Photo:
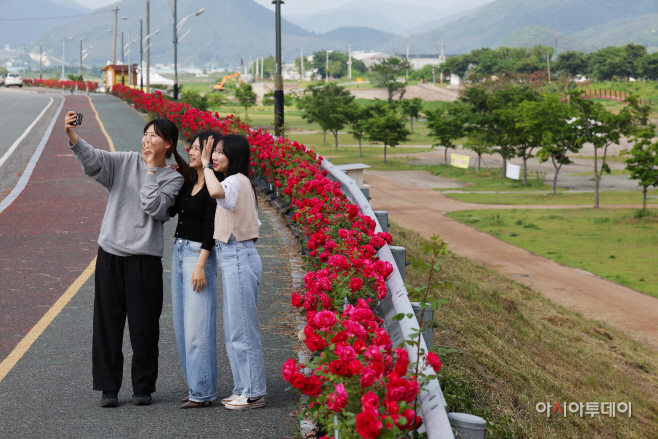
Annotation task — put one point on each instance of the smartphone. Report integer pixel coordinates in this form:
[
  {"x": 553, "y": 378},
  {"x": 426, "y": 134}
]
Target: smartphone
[{"x": 78, "y": 119}]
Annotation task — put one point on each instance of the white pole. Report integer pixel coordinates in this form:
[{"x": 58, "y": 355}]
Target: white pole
[
  {"x": 63, "y": 54},
  {"x": 349, "y": 64},
  {"x": 262, "y": 69},
  {"x": 301, "y": 79}
]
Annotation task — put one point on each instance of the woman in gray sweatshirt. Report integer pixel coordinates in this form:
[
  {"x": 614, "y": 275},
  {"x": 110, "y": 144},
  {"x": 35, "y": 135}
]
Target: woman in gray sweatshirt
[{"x": 141, "y": 189}]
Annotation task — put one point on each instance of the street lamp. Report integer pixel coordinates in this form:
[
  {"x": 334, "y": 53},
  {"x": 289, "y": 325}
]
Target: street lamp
[
  {"x": 148, "y": 64},
  {"x": 81, "y": 56},
  {"x": 278, "y": 80},
  {"x": 326, "y": 76},
  {"x": 177, "y": 26},
  {"x": 141, "y": 50},
  {"x": 130, "y": 48}
]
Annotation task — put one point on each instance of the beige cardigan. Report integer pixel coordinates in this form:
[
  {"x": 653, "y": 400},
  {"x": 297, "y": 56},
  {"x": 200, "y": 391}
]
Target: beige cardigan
[{"x": 242, "y": 222}]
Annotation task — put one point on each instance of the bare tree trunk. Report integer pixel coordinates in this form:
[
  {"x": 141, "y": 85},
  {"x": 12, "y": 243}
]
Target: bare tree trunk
[
  {"x": 445, "y": 157},
  {"x": 336, "y": 139},
  {"x": 644, "y": 198},
  {"x": 479, "y": 158},
  {"x": 384, "y": 153},
  {"x": 411, "y": 121},
  {"x": 360, "y": 145},
  {"x": 525, "y": 169},
  {"x": 504, "y": 165}
]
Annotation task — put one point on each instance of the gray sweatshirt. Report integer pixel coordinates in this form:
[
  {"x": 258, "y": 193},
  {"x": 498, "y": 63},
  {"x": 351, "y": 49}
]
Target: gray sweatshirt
[{"x": 138, "y": 205}]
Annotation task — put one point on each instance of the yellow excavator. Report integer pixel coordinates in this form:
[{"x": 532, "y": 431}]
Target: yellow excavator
[{"x": 220, "y": 86}]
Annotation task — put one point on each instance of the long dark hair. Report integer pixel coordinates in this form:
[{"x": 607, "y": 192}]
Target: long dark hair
[
  {"x": 237, "y": 151},
  {"x": 189, "y": 174},
  {"x": 167, "y": 130}
]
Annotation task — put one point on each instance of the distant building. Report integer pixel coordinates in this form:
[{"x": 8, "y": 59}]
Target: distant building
[
  {"x": 369, "y": 58},
  {"x": 290, "y": 72},
  {"x": 115, "y": 72}
]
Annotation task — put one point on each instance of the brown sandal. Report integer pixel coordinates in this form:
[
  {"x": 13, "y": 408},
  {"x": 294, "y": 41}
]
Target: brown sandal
[{"x": 195, "y": 405}]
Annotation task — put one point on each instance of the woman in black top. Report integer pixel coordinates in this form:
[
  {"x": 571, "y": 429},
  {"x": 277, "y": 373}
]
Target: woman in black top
[{"x": 194, "y": 279}]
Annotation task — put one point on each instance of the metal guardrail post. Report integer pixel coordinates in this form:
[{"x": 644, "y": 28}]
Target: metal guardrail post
[
  {"x": 366, "y": 192},
  {"x": 432, "y": 402},
  {"x": 382, "y": 219}
]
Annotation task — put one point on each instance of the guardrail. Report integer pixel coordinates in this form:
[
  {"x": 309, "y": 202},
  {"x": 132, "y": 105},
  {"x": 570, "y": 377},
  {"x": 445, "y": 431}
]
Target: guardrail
[
  {"x": 612, "y": 95},
  {"x": 432, "y": 402}
]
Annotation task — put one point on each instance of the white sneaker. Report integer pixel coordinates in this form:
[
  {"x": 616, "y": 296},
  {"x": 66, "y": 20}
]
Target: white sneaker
[
  {"x": 243, "y": 403},
  {"x": 229, "y": 399}
]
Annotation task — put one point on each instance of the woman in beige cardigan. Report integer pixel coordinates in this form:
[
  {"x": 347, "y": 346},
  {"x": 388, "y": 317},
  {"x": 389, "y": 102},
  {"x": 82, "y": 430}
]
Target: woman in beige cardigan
[{"x": 236, "y": 232}]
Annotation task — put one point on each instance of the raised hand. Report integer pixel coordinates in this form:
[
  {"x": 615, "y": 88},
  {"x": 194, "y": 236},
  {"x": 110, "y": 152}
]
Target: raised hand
[
  {"x": 148, "y": 154},
  {"x": 206, "y": 154},
  {"x": 69, "y": 119}
]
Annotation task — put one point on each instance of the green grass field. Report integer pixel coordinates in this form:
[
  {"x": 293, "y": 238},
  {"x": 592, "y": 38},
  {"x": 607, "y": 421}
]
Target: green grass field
[
  {"x": 612, "y": 197},
  {"x": 516, "y": 348},
  {"x": 610, "y": 243}
]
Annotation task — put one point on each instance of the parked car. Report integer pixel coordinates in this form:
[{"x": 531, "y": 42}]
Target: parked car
[{"x": 13, "y": 79}]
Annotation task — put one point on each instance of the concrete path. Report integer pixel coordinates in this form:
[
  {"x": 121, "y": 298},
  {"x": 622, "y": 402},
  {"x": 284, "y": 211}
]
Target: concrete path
[
  {"x": 424, "y": 211},
  {"x": 48, "y": 239}
]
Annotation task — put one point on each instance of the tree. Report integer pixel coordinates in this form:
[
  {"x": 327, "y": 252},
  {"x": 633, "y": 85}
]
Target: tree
[
  {"x": 643, "y": 160},
  {"x": 246, "y": 96},
  {"x": 561, "y": 133},
  {"x": 477, "y": 142},
  {"x": 358, "y": 116},
  {"x": 648, "y": 66},
  {"x": 269, "y": 66},
  {"x": 385, "y": 125},
  {"x": 215, "y": 100},
  {"x": 328, "y": 105},
  {"x": 194, "y": 99},
  {"x": 447, "y": 124},
  {"x": 457, "y": 65},
  {"x": 601, "y": 128},
  {"x": 411, "y": 108},
  {"x": 387, "y": 72},
  {"x": 571, "y": 63}
]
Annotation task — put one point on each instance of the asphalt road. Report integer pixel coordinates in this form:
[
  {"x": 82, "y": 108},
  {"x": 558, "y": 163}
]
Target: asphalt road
[{"x": 18, "y": 109}]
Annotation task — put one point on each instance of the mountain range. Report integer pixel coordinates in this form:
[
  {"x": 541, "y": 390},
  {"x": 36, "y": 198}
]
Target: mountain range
[{"x": 231, "y": 30}]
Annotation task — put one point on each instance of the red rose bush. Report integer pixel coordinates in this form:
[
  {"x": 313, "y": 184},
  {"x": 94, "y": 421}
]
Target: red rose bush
[{"x": 54, "y": 83}]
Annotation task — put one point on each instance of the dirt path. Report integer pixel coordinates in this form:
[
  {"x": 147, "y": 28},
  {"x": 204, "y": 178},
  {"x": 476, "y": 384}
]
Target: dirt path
[{"x": 423, "y": 210}]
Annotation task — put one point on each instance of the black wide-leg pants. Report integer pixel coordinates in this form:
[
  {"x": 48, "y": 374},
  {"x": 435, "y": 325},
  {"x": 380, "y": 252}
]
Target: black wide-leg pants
[{"x": 126, "y": 286}]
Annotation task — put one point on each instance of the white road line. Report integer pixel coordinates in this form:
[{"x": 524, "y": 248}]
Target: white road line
[
  {"x": 27, "y": 173},
  {"x": 25, "y": 133}
]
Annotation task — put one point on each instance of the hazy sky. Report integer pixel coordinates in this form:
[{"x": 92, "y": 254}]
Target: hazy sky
[{"x": 290, "y": 6}]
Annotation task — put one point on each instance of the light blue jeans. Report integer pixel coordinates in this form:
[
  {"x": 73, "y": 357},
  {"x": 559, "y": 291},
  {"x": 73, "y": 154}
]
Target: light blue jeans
[
  {"x": 241, "y": 269},
  {"x": 195, "y": 320}
]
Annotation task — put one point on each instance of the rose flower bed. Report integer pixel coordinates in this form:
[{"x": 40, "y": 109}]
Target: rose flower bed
[
  {"x": 54, "y": 83},
  {"x": 358, "y": 383}
]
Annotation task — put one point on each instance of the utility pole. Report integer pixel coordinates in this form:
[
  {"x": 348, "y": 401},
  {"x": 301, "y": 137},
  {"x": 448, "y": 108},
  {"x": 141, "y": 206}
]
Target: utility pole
[
  {"x": 24, "y": 59},
  {"x": 63, "y": 54},
  {"x": 349, "y": 66},
  {"x": 262, "y": 69},
  {"x": 40, "y": 59},
  {"x": 406, "y": 75},
  {"x": 80, "y": 72},
  {"x": 548, "y": 63},
  {"x": 148, "y": 50},
  {"x": 114, "y": 46},
  {"x": 175, "y": 51},
  {"x": 130, "y": 54},
  {"x": 326, "y": 73},
  {"x": 433, "y": 76},
  {"x": 303, "y": 73},
  {"x": 278, "y": 80},
  {"x": 123, "y": 71}
]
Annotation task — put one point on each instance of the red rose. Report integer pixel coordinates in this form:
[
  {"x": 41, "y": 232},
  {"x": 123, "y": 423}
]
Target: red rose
[
  {"x": 297, "y": 380},
  {"x": 312, "y": 386},
  {"x": 325, "y": 320},
  {"x": 359, "y": 346},
  {"x": 433, "y": 360},
  {"x": 338, "y": 367},
  {"x": 355, "y": 284},
  {"x": 355, "y": 366},
  {"x": 315, "y": 343},
  {"x": 368, "y": 424},
  {"x": 288, "y": 369},
  {"x": 297, "y": 300},
  {"x": 370, "y": 401},
  {"x": 368, "y": 378}
]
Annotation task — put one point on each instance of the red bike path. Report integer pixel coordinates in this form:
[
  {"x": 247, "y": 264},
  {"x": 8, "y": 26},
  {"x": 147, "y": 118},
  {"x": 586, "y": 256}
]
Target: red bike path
[{"x": 48, "y": 235}]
